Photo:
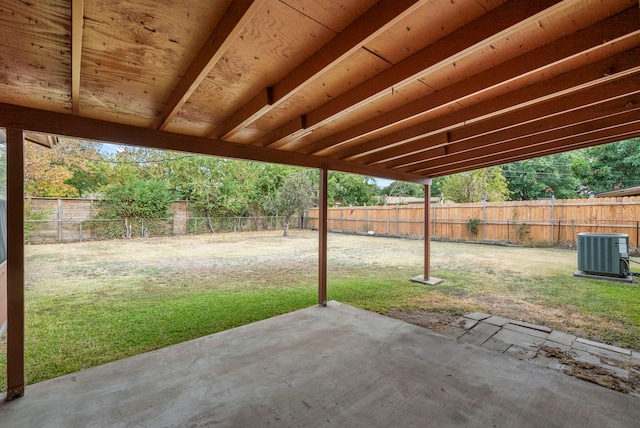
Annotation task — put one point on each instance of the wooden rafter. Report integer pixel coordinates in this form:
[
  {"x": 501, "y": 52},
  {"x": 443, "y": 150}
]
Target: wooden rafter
[
  {"x": 601, "y": 127},
  {"x": 540, "y": 61},
  {"x": 459, "y": 141},
  {"x": 77, "y": 21},
  {"x": 577, "y": 80},
  {"x": 376, "y": 20},
  {"x": 568, "y": 144},
  {"x": 473, "y": 36},
  {"x": 227, "y": 30}
]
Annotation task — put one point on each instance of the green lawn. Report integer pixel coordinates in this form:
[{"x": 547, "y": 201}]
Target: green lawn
[{"x": 91, "y": 303}]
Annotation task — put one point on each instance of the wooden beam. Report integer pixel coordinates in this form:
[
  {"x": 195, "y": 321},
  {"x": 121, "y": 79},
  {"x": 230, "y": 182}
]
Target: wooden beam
[
  {"x": 93, "y": 129},
  {"x": 15, "y": 263},
  {"x": 322, "y": 237},
  {"x": 547, "y": 57},
  {"x": 371, "y": 24},
  {"x": 609, "y": 129},
  {"x": 77, "y": 24},
  {"x": 581, "y": 144},
  {"x": 473, "y": 36},
  {"x": 509, "y": 127},
  {"x": 228, "y": 29},
  {"x": 602, "y": 72}
]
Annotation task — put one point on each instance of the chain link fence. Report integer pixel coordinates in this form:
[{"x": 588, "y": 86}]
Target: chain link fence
[{"x": 75, "y": 230}]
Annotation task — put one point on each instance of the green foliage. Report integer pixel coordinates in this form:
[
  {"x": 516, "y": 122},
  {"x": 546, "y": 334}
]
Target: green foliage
[
  {"x": 402, "y": 188},
  {"x": 32, "y": 218},
  {"x": 474, "y": 186},
  {"x": 609, "y": 167},
  {"x": 296, "y": 195},
  {"x": 150, "y": 199},
  {"x": 542, "y": 177},
  {"x": 473, "y": 225},
  {"x": 349, "y": 189}
]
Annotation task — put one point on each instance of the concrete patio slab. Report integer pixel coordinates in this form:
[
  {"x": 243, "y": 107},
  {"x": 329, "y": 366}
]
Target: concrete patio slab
[{"x": 332, "y": 366}]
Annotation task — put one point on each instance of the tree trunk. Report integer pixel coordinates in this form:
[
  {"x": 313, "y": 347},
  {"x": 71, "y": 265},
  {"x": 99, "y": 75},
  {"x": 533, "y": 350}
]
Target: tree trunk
[{"x": 286, "y": 228}]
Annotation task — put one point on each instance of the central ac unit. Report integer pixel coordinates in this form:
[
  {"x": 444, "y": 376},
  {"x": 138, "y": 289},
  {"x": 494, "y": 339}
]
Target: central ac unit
[{"x": 603, "y": 254}]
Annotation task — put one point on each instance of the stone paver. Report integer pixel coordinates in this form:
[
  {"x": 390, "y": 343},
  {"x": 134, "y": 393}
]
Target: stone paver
[
  {"x": 479, "y": 334},
  {"x": 523, "y": 341},
  {"x": 560, "y": 337},
  {"x": 499, "y": 321},
  {"x": 604, "y": 346},
  {"x": 496, "y": 345},
  {"x": 526, "y": 330},
  {"x": 518, "y": 338},
  {"x": 477, "y": 316},
  {"x": 531, "y": 326},
  {"x": 560, "y": 346},
  {"x": 596, "y": 350},
  {"x": 465, "y": 323}
]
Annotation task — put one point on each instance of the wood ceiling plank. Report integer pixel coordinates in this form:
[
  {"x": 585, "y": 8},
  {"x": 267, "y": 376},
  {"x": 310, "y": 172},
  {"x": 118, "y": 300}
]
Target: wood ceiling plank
[
  {"x": 580, "y": 79},
  {"x": 278, "y": 39},
  {"x": 511, "y": 74},
  {"x": 372, "y": 23},
  {"x": 35, "y": 53},
  {"x": 228, "y": 29},
  {"x": 135, "y": 52},
  {"x": 458, "y": 43},
  {"x": 98, "y": 130},
  {"x": 77, "y": 24},
  {"x": 334, "y": 15}
]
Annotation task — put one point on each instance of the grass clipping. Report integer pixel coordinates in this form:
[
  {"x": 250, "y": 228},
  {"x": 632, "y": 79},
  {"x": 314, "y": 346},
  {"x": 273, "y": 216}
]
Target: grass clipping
[{"x": 587, "y": 371}]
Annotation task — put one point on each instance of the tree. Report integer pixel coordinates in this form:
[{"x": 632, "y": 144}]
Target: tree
[
  {"x": 295, "y": 195},
  {"x": 609, "y": 167},
  {"x": 138, "y": 199},
  {"x": 350, "y": 189},
  {"x": 542, "y": 177},
  {"x": 217, "y": 187},
  {"x": 45, "y": 173},
  {"x": 402, "y": 188},
  {"x": 473, "y": 186}
]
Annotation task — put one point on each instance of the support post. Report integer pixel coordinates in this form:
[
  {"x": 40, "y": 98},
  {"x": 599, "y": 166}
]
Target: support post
[
  {"x": 15, "y": 264},
  {"x": 427, "y": 231},
  {"x": 426, "y": 278},
  {"x": 322, "y": 245}
]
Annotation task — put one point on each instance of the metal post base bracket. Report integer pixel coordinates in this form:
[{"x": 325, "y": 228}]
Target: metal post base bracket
[{"x": 428, "y": 281}]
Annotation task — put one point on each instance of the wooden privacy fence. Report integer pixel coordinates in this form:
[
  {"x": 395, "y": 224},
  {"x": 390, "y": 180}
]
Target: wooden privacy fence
[{"x": 545, "y": 222}]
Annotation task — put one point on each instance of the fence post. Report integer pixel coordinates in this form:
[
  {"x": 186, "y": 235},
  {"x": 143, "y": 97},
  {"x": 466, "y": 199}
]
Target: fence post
[
  {"x": 433, "y": 232},
  {"x": 573, "y": 233},
  {"x": 397, "y": 221},
  {"x": 59, "y": 220},
  {"x": 484, "y": 217},
  {"x": 553, "y": 206},
  {"x": 80, "y": 230},
  {"x": 142, "y": 228}
]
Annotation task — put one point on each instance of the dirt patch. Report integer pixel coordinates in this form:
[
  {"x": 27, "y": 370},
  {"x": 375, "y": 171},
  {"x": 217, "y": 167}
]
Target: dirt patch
[
  {"x": 589, "y": 372},
  {"x": 431, "y": 320}
]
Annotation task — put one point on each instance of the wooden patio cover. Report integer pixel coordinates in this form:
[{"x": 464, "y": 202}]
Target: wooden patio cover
[{"x": 400, "y": 89}]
